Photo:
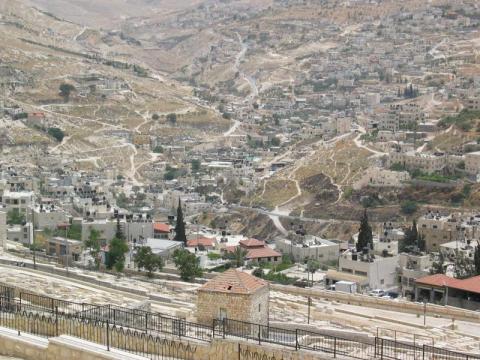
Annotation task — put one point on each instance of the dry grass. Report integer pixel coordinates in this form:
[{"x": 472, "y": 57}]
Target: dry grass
[{"x": 276, "y": 192}]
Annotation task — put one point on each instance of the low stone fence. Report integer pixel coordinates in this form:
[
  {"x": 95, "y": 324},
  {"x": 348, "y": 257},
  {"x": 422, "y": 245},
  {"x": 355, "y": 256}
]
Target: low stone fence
[
  {"x": 448, "y": 312},
  {"x": 63, "y": 347}
]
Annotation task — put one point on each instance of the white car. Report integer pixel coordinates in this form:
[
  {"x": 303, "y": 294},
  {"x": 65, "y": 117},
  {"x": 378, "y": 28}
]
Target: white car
[{"x": 377, "y": 293}]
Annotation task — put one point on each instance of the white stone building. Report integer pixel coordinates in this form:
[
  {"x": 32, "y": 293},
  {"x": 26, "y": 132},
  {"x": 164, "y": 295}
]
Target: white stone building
[{"x": 310, "y": 247}]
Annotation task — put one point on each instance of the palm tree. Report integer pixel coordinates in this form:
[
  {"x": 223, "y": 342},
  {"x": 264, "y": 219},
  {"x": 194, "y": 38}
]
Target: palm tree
[{"x": 238, "y": 256}]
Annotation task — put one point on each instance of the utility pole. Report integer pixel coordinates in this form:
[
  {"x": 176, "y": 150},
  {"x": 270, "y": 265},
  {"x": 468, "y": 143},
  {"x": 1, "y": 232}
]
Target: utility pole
[
  {"x": 66, "y": 247},
  {"x": 424, "y": 313},
  {"x": 309, "y": 305}
]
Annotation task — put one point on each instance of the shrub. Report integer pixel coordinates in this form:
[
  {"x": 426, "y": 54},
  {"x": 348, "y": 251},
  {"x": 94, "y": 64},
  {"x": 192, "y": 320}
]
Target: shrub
[{"x": 409, "y": 207}]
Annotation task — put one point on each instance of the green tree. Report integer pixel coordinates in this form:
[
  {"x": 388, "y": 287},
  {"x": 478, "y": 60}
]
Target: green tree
[
  {"x": 15, "y": 217},
  {"x": 275, "y": 141},
  {"x": 119, "y": 232},
  {"x": 438, "y": 265},
  {"x": 410, "y": 238},
  {"x": 195, "y": 163},
  {"x": 312, "y": 266},
  {"x": 365, "y": 236},
  {"x": 180, "y": 234},
  {"x": 116, "y": 254},
  {"x": 66, "y": 90},
  {"x": 146, "y": 259},
  {"x": 172, "y": 118},
  {"x": 56, "y": 133},
  {"x": 93, "y": 245},
  {"x": 409, "y": 207},
  {"x": 258, "y": 272},
  {"x": 188, "y": 265},
  {"x": 158, "y": 149},
  {"x": 237, "y": 257},
  {"x": 464, "y": 267},
  {"x": 122, "y": 200}
]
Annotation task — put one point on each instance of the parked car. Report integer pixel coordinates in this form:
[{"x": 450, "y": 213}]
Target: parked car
[{"x": 377, "y": 293}]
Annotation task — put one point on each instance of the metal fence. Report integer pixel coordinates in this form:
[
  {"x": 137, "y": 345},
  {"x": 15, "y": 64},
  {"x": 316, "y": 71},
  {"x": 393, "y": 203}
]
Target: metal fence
[
  {"x": 34, "y": 320},
  {"x": 138, "y": 329},
  {"x": 366, "y": 349}
]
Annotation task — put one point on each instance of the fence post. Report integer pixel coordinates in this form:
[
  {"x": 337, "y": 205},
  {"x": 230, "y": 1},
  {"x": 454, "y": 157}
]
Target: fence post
[
  {"x": 20, "y": 300},
  {"x": 213, "y": 329},
  {"x": 296, "y": 339},
  {"x": 146, "y": 322},
  {"x": 334, "y": 347},
  {"x": 56, "y": 320},
  {"x": 53, "y": 306},
  {"x": 375, "y": 349},
  {"x": 259, "y": 340},
  {"x": 423, "y": 352},
  {"x": 239, "y": 351},
  {"x": 224, "y": 321},
  {"x": 381, "y": 348},
  {"x": 108, "y": 336}
]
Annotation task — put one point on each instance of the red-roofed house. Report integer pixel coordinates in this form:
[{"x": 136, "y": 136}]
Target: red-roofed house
[
  {"x": 233, "y": 295},
  {"x": 258, "y": 251},
  {"x": 207, "y": 243},
  {"x": 442, "y": 289},
  {"x": 161, "y": 231},
  {"x": 251, "y": 244}
]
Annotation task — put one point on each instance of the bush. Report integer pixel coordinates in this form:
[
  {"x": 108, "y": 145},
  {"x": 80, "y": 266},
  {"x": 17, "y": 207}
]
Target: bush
[
  {"x": 172, "y": 118},
  {"x": 214, "y": 256},
  {"x": 397, "y": 167},
  {"x": 66, "y": 90},
  {"x": 409, "y": 207},
  {"x": 56, "y": 133},
  {"x": 14, "y": 217},
  {"x": 258, "y": 272},
  {"x": 457, "y": 198}
]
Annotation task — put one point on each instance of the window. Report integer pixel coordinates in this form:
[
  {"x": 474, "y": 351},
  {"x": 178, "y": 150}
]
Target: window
[{"x": 382, "y": 281}]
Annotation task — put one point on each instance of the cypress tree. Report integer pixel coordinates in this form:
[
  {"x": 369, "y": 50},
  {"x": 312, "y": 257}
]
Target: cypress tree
[
  {"x": 119, "y": 233},
  {"x": 180, "y": 225},
  {"x": 365, "y": 236},
  {"x": 410, "y": 238}
]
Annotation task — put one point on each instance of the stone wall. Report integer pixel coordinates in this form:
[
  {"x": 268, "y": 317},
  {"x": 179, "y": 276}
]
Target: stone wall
[
  {"x": 448, "y": 312},
  {"x": 259, "y": 307},
  {"x": 209, "y": 303},
  {"x": 65, "y": 347},
  {"x": 244, "y": 307}
]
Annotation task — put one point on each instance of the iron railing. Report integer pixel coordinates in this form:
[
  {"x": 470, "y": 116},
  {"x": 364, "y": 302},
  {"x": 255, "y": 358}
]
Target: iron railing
[
  {"x": 366, "y": 349},
  {"x": 96, "y": 331},
  {"x": 133, "y": 329}
]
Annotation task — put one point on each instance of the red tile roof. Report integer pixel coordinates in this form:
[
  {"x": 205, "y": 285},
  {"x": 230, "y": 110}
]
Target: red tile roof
[
  {"x": 252, "y": 243},
  {"x": 440, "y": 280},
  {"x": 234, "y": 282},
  {"x": 230, "y": 248},
  {"x": 160, "y": 227},
  {"x": 264, "y": 252},
  {"x": 204, "y": 241}
]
